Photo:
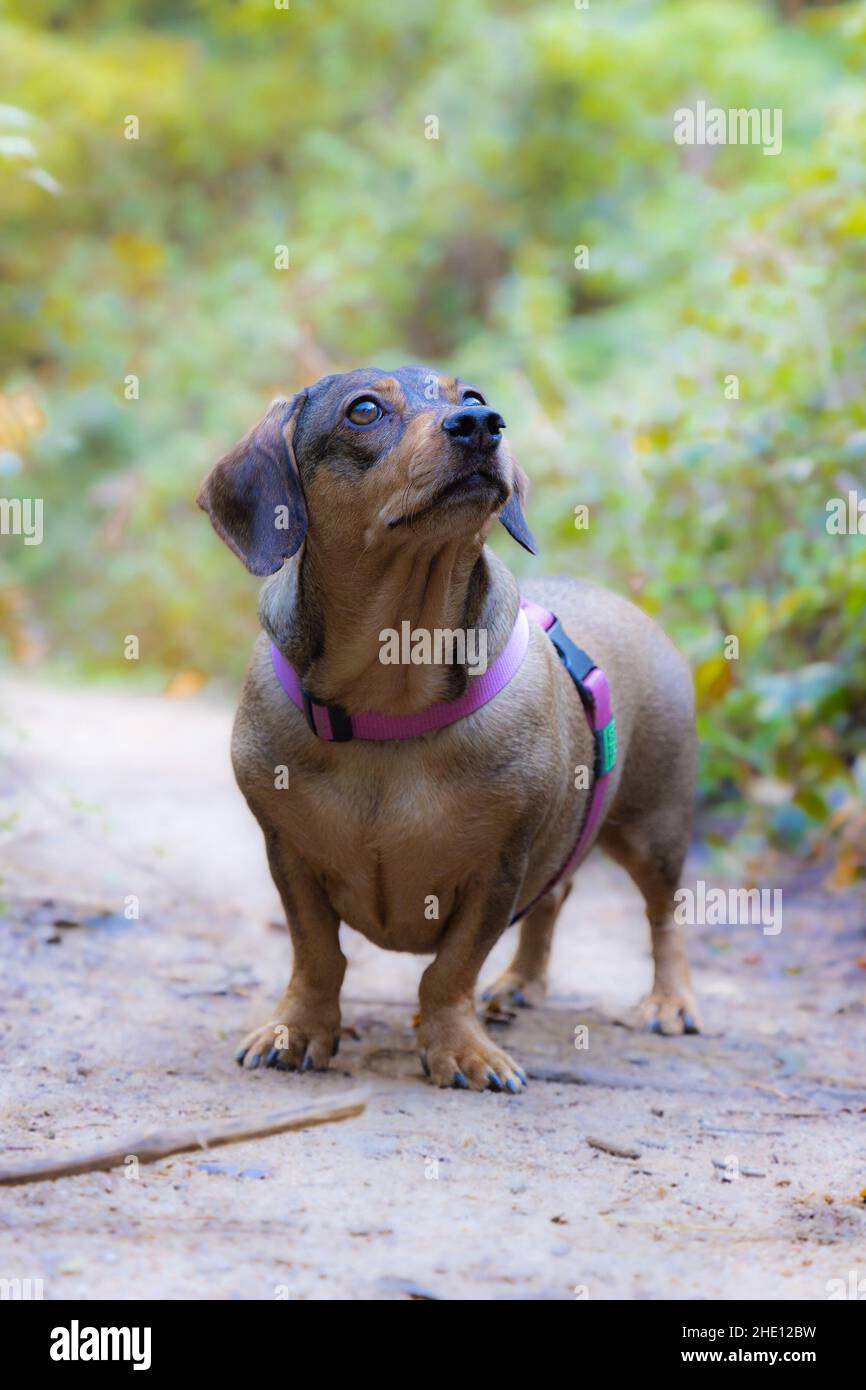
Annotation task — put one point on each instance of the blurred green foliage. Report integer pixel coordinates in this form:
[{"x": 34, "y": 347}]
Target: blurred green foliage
[{"x": 306, "y": 127}]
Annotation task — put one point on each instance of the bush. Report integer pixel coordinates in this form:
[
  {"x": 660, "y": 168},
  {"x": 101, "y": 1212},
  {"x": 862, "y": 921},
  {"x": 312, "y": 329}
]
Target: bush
[{"x": 698, "y": 386}]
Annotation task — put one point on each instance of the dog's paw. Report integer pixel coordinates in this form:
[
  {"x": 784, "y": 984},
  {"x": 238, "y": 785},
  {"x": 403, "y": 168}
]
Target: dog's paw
[
  {"x": 294, "y": 1042},
  {"x": 512, "y": 992},
  {"x": 455, "y": 1051},
  {"x": 670, "y": 1014}
]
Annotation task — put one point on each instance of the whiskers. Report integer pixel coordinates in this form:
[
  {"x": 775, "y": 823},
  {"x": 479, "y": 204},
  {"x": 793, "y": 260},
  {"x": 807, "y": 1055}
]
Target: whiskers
[{"x": 407, "y": 511}]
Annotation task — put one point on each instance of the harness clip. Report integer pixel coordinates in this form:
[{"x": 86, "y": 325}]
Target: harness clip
[{"x": 339, "y": 720}]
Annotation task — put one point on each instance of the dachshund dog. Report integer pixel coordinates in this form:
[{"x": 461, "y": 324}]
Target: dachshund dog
[{"x": 400, "y": 796}]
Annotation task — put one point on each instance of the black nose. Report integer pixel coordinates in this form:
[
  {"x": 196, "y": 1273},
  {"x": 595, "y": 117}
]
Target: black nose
[{"x": 475, "y": 425}]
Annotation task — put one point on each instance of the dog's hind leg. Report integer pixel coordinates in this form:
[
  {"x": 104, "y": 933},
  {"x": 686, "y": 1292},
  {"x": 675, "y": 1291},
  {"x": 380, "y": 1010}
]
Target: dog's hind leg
[
  {"x": 653, "y": 851},
  {"x": 524, "y": 983}
]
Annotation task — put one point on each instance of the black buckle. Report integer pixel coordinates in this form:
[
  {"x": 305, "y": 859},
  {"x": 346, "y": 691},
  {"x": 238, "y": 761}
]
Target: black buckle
[
  {"x": 576, "y": 661},
  {"x": 578, "y": 664},
  {"x": 598, "y": 753},
  {"x": 341, "y": 722},
  {"x": 308, "y": 711}
]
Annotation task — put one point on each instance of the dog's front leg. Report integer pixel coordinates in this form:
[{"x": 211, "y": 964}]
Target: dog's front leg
[
  {"x": 455, "y": 1050},
  {"x": 304, "y": 1033}
]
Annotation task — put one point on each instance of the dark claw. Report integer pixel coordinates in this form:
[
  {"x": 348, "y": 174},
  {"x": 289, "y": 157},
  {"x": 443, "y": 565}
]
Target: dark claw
[
  {"x": 425, "y": 1066},
  {"x": 522, "y": 1076},
  {"x": 512, "y": 1086},
  {"x": 255, "y": 1061},
  {"x": 494, "y": 1081},
  {"x": 460, "y": 1081},
  {"x": 689, "y": 1024},
  {"x": 336, "y": 1048},
  {"x": 307, "y": 1064},
  {"x": 654, "y": 1026},
  {"x": 272, "y": 1056},
  {"x": 488, "y": 994},
  {"x": 240, "y": 1055},
  {"x": 518, "y": 996}
]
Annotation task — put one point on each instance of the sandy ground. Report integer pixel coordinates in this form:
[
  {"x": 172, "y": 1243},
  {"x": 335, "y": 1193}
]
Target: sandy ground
[{"x": 111, "y": 1027}]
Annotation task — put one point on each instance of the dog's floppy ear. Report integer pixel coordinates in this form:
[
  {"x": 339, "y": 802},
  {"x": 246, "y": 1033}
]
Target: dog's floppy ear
[
  {"x": 253, "y": 496},
  {"x": 512, "y": 517}
]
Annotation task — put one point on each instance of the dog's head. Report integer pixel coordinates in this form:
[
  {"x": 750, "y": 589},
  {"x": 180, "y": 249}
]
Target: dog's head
[{"x": 389, "y": 458}]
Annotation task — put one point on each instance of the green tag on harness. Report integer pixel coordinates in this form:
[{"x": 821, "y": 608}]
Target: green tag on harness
[{"x": 607, "y": 739}]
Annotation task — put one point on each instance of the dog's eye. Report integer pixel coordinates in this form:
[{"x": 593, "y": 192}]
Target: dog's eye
[
  {"x": 473, "y": 398},
  {"x": 364, "y": 412}
]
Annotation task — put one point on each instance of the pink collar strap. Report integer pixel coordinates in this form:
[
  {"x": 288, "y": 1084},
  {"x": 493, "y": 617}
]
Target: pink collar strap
[{"x": 334, "y": 725}]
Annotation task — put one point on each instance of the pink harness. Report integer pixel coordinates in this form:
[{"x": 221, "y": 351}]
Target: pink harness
[{"x": 334, "y": 725}]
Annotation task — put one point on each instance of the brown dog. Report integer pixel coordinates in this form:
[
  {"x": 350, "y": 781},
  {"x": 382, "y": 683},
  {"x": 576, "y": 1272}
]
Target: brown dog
[{"x": 368, "y": 499}]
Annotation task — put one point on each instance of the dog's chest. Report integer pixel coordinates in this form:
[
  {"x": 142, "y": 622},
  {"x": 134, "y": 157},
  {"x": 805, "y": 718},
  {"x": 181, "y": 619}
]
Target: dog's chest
[{"x": 394, "y": 840}]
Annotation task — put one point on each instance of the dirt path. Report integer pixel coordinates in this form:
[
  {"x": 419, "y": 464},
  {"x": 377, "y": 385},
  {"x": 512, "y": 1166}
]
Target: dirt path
[{"x": 110, "y": 1027}]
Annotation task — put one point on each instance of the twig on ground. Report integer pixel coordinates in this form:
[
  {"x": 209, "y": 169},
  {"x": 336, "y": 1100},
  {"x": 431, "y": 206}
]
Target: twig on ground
[
  {"x": 618, "y": 1150},
  {"x": 151, "y": 1147}
]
